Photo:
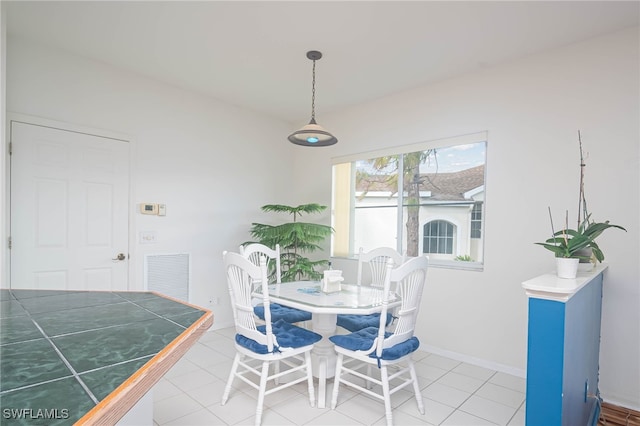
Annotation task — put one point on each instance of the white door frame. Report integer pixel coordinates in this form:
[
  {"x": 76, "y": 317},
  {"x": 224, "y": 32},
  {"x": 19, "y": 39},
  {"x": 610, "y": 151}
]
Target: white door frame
[{"x": 29, "y": 119}]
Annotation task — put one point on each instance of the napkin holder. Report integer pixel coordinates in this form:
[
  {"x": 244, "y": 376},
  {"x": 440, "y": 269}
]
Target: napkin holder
[{"x": 331, "y": 281}]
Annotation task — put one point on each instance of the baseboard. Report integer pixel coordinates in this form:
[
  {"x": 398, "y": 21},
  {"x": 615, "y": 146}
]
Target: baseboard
[{"x": 518, "y": 372}]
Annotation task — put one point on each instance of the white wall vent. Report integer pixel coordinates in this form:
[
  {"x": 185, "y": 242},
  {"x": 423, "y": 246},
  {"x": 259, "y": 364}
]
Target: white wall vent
[{"x": 168, "y": 274}]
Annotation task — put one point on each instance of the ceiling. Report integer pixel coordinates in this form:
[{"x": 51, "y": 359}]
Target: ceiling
[{"x": 253, "y": 54}]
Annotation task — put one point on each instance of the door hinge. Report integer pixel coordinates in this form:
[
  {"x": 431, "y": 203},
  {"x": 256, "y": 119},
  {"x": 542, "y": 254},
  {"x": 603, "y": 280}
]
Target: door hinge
[
  {"x": 9, "y": 243},
  {"x": 10, "y": 148}
]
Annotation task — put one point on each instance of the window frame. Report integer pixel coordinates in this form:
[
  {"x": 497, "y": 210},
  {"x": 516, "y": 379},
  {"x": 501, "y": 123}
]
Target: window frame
[{"x": 479, "y": 137}]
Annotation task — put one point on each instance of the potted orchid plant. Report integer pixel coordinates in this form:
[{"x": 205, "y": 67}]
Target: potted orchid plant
[{"x": 572, "y": 246}]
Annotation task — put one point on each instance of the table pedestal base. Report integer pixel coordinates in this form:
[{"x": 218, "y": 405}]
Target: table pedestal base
[{"x": 323, "y": 355}]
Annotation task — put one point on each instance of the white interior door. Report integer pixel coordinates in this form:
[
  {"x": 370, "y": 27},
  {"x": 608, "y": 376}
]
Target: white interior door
[{"x": 69, "y": 209}]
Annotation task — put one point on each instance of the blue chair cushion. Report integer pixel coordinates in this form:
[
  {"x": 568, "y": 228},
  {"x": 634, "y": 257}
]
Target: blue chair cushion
[
  {"x": 278, "y": 312},
  {"x": 363, "y": 339},
  {"x": 354, "y": 323},
  {"x": 288, "y": 335}
]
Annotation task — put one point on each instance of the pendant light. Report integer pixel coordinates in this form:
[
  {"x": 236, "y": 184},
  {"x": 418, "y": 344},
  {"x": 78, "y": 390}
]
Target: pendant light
[{"x": 313, "y": 134}]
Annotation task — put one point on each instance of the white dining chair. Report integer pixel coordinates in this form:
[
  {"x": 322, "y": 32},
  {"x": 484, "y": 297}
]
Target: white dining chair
[
  {"x": 390, "y": 351},
  {"x": 377, "y": 260},
  {"x": 253, "y": 252},
  {"x": 257, "y": 347}
]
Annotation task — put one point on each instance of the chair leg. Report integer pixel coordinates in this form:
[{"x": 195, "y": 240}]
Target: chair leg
[
  {"x": 368, "y": 383},
  {"x": 336, "y": 382},
  {"x": 384, "y": 378},
  {"x": 263, "y": 387},
  {"x": 276, "y": 370},
  {"x": 312, "y": 396},
  {"x": 232, "y": 375},
  {"x": 416, "y": 387}
]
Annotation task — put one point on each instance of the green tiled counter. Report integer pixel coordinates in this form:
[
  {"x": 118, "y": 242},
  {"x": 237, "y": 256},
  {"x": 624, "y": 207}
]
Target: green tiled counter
[{"x": 87, "y": 357}]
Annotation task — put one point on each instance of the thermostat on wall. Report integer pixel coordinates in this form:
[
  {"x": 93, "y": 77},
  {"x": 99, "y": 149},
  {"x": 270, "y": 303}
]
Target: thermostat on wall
[{"x": 149, "y": 208}]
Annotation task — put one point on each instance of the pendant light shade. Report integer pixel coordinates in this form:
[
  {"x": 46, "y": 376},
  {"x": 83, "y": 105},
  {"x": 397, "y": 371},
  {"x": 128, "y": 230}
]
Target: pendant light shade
[{"x": 313, "y": 134}]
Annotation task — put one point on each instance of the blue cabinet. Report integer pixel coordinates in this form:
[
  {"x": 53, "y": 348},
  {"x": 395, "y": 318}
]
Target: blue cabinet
[{"x": 563, "y": 349}]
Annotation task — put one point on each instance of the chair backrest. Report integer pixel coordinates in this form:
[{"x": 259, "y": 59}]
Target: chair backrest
[
  {"x": 241, "y": 276},
  {"x": 254, "y": 251},
  {"x": 377, "y": 261},
  {"x": 408, "y": 280}
]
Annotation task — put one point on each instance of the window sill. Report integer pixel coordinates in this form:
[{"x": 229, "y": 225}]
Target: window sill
[
  {"x": 457, "y": 264},
  {"x": 441, "y": 264}
]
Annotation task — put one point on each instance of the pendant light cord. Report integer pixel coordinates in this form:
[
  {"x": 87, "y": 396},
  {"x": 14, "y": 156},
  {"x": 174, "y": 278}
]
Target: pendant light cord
[{"x": 313, "y": 93}]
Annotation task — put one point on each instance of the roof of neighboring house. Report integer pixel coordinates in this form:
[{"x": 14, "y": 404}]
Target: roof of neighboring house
[{"x": 443, "y": 186}]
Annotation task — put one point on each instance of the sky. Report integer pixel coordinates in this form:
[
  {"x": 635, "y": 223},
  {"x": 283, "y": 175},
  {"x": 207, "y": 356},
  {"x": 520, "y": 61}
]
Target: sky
[
  {"x": 456, "y": 158},
  {"x": 449, "y": 159}
]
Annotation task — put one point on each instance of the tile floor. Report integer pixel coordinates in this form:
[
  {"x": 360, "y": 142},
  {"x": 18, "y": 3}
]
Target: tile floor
[{"x": 454, "y": 393}]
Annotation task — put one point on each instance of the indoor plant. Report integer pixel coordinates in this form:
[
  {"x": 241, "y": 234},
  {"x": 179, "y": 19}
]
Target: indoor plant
[
  {"x": 570, "y": 243},
  {"x": 295, "y": 239},
  {"x": 577, "y": 244}
]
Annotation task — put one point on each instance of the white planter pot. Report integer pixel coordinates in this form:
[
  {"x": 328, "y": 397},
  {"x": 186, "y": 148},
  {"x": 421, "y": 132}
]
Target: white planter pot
[{"x": 566, "y": 267}]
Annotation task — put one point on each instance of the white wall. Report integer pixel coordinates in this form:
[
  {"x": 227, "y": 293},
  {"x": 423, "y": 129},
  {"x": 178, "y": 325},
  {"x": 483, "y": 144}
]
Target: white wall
[
  {"x": 190, "y": 152},
  {"x": 4, "y": 165},
  {"x": 532, "y": 110}
]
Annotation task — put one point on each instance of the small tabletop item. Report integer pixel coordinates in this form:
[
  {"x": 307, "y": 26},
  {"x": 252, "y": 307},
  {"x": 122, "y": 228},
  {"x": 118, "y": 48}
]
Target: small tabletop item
[{"x": 331, "y": 281}]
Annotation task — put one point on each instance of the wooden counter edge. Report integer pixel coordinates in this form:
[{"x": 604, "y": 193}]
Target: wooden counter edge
[{"x": 111, "y": 409}]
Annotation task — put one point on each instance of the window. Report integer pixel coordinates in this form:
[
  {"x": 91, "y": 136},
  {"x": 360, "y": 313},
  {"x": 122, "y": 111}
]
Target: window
[
  {"x": 420, "y": 199},
  {"x": 476, "y": 221},
  {"x": 438, "y": 237}
]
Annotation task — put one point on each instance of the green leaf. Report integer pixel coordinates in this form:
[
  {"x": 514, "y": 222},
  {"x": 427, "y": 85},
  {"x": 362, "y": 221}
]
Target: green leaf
[
  {"x": 568, "y": 242},
  {"x": 303, "y": 208},
  {"x": 597, "y": 252}
]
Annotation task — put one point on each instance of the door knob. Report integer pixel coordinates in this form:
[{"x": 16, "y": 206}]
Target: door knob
[{"x": 119, "y": 257}]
